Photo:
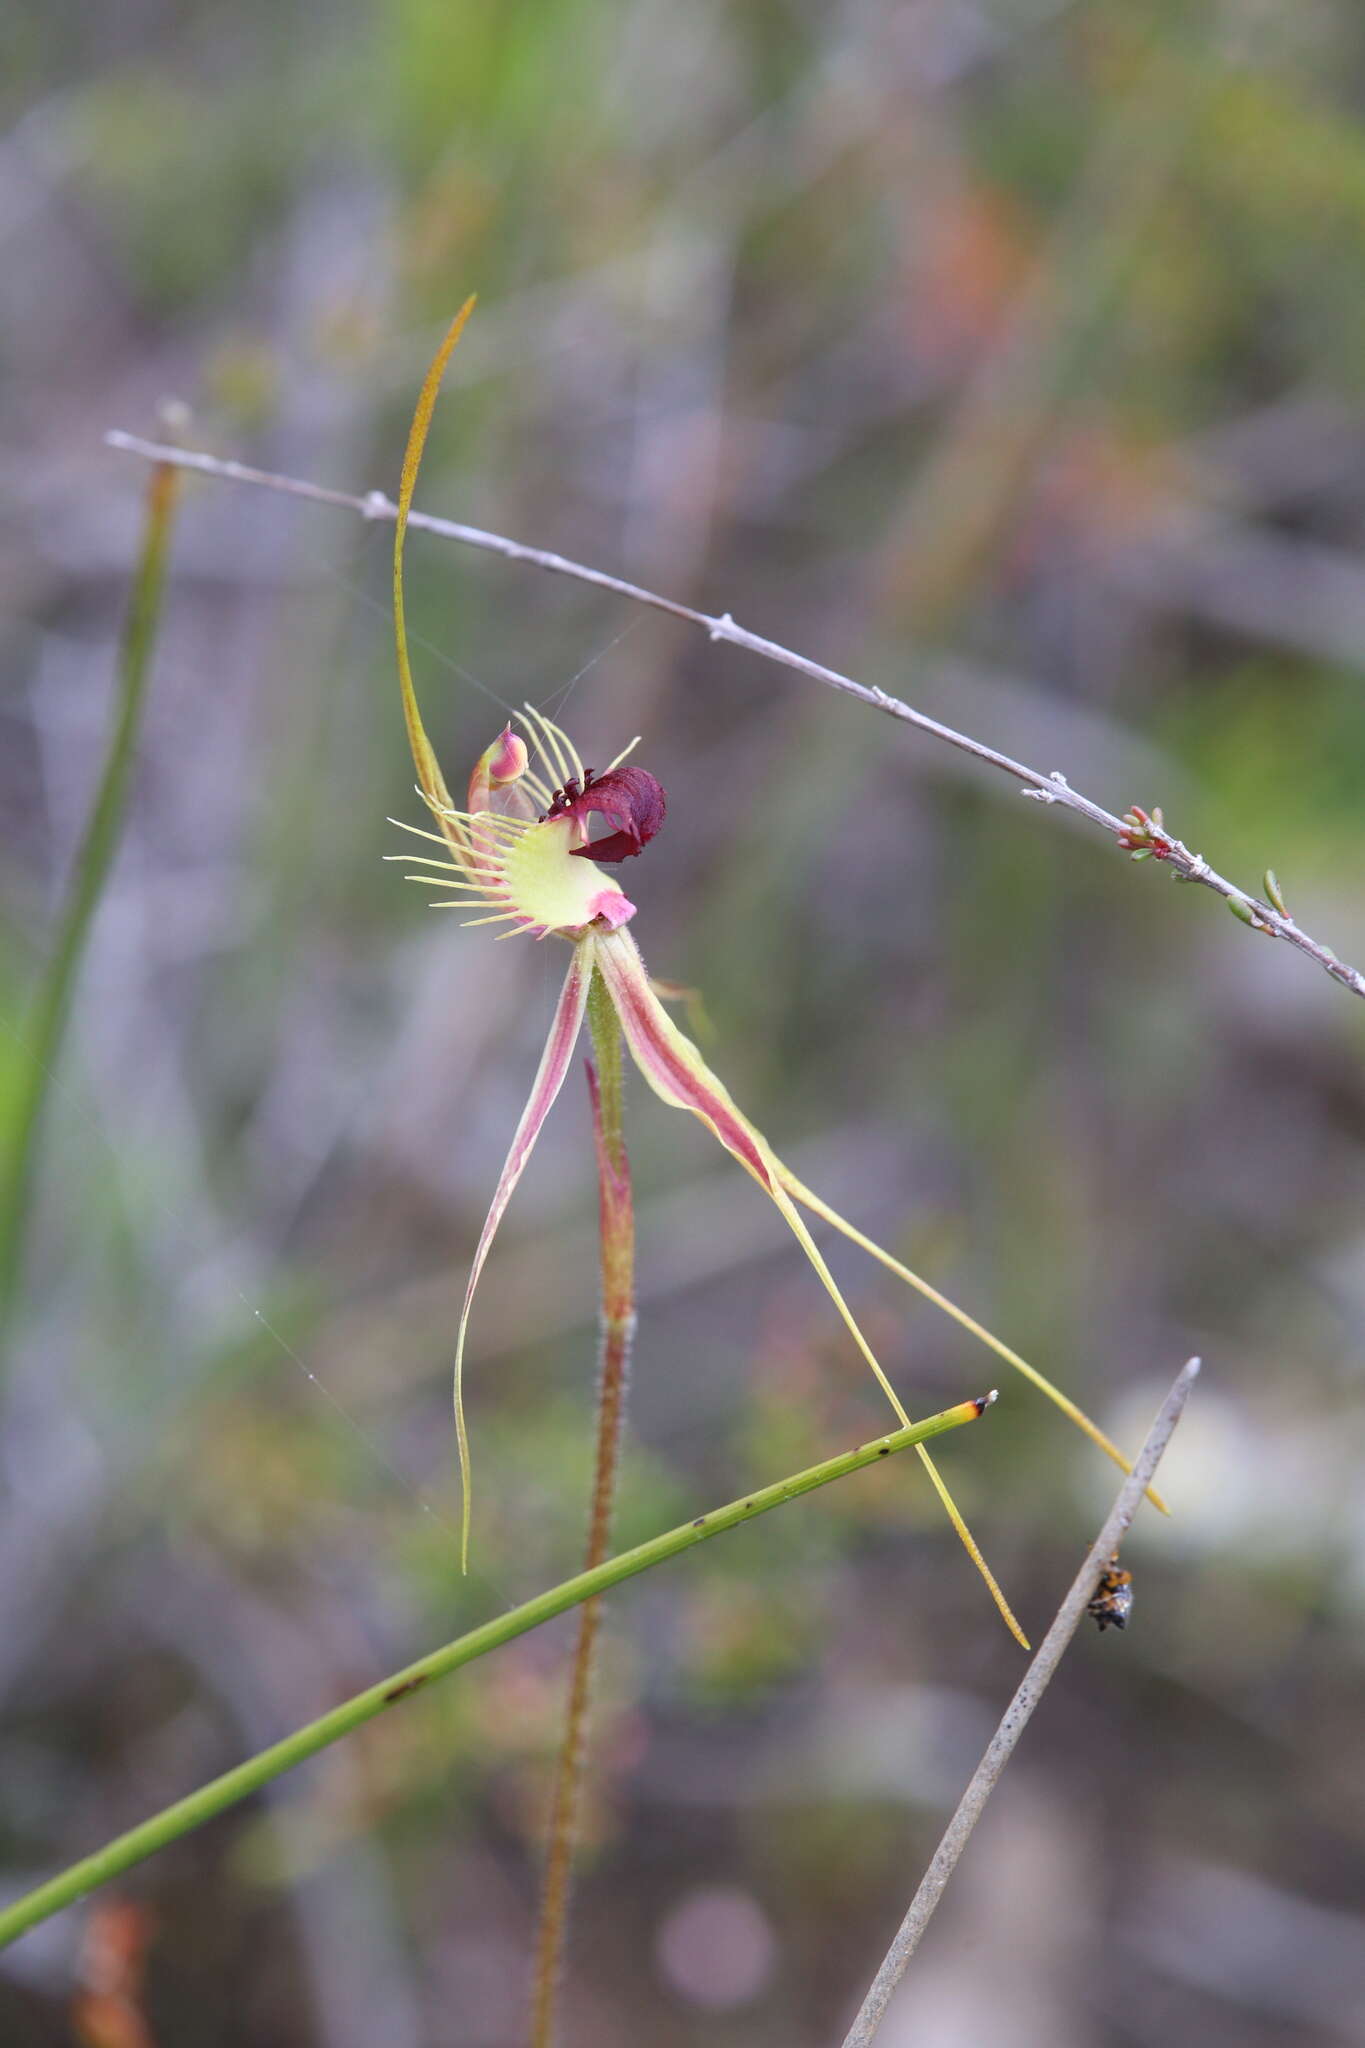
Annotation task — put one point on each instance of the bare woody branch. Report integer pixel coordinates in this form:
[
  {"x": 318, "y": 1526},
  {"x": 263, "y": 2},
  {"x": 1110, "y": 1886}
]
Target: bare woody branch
[
  {"x": 1018, "y": 1714},
  {"x": 1138, "y": 831}
]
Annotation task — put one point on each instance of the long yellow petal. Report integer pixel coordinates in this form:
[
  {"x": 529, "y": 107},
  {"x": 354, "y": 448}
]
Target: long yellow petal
[
  {"x": 803, "y": 1194},
  {"x": 676, "y": 1071}
]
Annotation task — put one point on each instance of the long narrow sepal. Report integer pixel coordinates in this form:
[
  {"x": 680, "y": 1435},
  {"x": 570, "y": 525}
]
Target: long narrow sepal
[
  {"x": 554, "y": 1065},
  {"x": 800, "y": 1193},
  {"x": 676, "y": 1071},
  {"x": 424, "y": 759}
]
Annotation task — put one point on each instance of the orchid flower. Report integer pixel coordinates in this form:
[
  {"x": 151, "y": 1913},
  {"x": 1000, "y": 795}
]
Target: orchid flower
[{"x": 519, "y": 856}]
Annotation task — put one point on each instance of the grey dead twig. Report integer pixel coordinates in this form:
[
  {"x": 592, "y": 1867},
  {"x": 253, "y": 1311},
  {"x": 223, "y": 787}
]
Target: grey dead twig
[
  {"x": 1018, "y": 1714},
  {"x": 1051, "y": 789}
]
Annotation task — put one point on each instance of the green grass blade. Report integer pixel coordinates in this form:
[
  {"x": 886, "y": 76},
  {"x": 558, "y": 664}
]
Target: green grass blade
[
  {"x": 214, "y": 1798},
  {"x": 42, "y": 1039}
]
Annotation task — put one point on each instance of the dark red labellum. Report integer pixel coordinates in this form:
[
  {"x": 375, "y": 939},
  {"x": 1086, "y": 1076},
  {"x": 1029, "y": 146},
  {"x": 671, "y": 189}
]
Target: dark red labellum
[{"x": 631, "y": 799}]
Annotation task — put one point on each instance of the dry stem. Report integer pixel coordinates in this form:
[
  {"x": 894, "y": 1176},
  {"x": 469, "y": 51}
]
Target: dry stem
[
  {"x": 1050, "y": 789},
  {"x": 1018, "y": 1713}
]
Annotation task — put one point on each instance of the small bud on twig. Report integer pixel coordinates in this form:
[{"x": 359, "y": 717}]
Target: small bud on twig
[
  {"x": 1144, "y": 835},
  {"x": 1247, "y": 915}
]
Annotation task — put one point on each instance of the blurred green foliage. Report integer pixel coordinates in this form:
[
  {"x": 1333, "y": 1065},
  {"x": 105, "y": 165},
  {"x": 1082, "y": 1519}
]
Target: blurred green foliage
[{"x": 1006, "y": 355}]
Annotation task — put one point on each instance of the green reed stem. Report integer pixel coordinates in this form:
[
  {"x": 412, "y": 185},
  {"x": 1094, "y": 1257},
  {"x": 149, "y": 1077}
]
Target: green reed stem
[
  {"x": 42, "y": 1039},
  {"x": 214, "y": 1798},
  {"x": 617, "y": 1237}
]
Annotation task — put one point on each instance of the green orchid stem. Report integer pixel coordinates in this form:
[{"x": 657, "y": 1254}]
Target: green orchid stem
[
  {"x": 42, "y": 1040},
  {"x": 617, "y": 1219},
  {"x": 215, "y": 1798}
]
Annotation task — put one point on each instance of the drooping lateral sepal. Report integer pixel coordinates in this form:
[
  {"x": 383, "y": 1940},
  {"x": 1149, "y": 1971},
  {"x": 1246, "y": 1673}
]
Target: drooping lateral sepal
[
  {"x": 676, "y": 1071},
  {"x": 554, "y": 1065}
]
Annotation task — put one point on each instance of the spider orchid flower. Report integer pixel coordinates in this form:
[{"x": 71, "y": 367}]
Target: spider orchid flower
[{"x": 520, "y": 856}]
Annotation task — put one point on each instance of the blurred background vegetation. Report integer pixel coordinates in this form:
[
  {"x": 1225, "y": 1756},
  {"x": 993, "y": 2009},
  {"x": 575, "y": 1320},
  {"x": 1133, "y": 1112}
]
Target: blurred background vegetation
[{"x": 1007, "y": 354}]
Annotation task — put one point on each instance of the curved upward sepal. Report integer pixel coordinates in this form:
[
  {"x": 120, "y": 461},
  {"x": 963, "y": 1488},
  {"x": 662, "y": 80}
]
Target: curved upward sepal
[
  {"x": 554, "y": 1065},
  {"x": 429, "y": 775}
]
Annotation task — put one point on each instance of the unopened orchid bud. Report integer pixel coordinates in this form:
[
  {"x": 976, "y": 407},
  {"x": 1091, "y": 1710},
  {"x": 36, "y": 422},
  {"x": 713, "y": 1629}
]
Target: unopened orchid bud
[
  {"x": 503, "y": 763},
  {"x": 506, "y": 758}
]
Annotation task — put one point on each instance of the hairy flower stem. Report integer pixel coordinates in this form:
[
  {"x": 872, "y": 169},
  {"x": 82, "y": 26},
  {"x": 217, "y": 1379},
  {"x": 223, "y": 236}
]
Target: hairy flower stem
[
  {"x": 617, "y": 1233},
  {"x": 43, "y": 1038}
]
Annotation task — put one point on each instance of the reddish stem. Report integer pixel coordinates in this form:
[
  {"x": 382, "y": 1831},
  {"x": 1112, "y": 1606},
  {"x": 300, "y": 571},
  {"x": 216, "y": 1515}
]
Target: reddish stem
[{"x": 617, "y": 1232}]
